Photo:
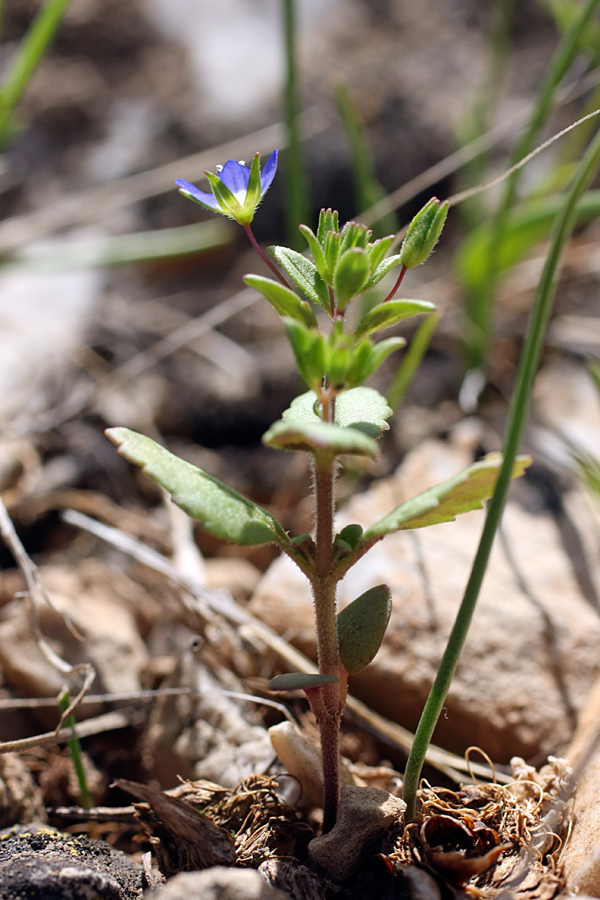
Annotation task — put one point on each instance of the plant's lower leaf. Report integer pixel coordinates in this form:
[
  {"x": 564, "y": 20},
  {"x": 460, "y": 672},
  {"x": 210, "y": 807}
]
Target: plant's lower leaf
[
  {"x": 221, "y": 510},
  {"x": 361, "y": 626},
  {"x": 295, "y": 681},
  {"x": 442, "y": 503}
]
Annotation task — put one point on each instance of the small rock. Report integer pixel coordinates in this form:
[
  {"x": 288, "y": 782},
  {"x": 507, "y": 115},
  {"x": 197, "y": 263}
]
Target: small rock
[
  {"x": 301, "y": 757},
  {"x": 40, "y": 863},
  {"x": 364, "y": 816},
  {"x": 217, "y": 884}
]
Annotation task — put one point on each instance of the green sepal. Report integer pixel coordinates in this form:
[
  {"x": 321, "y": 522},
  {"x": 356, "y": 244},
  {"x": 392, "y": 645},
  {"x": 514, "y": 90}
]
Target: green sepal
[
  {"x": 423, "y": 233},
  {"x": 353, "y": 234},
  {"x": 391, "y": 313},
  {"x": 361, "y": 626},
  {"x": 309, "y": 349},
  {"x": 304, "y": 274},
  {"x": 328, "y": 221},
  {"x": 460, "y": 494},
  {"x": 254, "y": 189},
  {"x": 363, "y": 409},
  {"x": 331, "y": 248},
  {"x": 221, "y": 510},
  {"x": 299, "y": 681},
  {"x": 378, "y": 249},
  {"x": 322, "y": 439},
  {"x": 382, "y": 270},
  {"x": 229, "y": 203},
  {"x": 282, "y": 299},
  {"x": 351, "y": 275},
  {"x": 316, "y": 249},
  {"x": 379, "y": 353}
]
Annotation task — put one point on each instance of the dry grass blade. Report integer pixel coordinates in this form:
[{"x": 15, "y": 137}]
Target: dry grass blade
[{"x": 108, "y": 722}]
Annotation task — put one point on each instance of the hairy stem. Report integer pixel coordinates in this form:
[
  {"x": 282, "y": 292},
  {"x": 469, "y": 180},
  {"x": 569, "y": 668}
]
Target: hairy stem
[{"x": 323, "y": 585}]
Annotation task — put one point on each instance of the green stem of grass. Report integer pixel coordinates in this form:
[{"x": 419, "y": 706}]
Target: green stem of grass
[
  {"x": 296, "y": 206},
  {"x": 87, "y": 801},
  {"x": 481, "y": 306},
  {"x": 29, "y": 54},
  {"x": 532, "y": 349},
  {"x": 412, "y": 360}
]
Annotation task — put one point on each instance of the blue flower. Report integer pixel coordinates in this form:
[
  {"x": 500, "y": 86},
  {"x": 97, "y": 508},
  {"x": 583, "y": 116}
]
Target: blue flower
[{"x": 236, "y": 188}]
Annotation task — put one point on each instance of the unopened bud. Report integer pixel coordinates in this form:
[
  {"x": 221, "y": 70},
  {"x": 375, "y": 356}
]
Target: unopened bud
[{"x": 423, "y": 233}]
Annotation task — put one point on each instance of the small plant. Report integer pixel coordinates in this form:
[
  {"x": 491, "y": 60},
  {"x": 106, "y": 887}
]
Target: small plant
[{"x": 338, "y": 415}]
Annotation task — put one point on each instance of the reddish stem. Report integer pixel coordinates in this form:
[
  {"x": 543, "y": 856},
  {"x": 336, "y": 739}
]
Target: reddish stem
[
  {"x": 403, "y": 271},
  {"x": 264, "y": 256}
]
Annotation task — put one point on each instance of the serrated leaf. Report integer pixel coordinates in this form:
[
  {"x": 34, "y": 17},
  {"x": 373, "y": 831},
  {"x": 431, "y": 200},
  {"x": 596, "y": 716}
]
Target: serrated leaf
[
  {"x": 282, "y": 299},
  {"x": 296, "y": 681},
  {"x": 361, "y": 626},
  {"x": 462, "y": 493},
  {"x": 382, "y": 270},
  {"x": 391, "y": 313},
  {"x": 321, "y": 439},
  {"x": 362, "y": 408},
  {"x": 221, "y": 510},
  {"x": 304, "y": 274}
]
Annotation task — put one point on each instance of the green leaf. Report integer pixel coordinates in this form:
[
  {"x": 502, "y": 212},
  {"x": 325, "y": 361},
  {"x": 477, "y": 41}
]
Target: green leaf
[
  {"x": 460, "y": 494},
  {"x": 392, "y": 313},
  {"x": 315, "y": 248},
  {"x": 220, "y": 509},
  {"x": 362, "y": 408},
  {"x": 350, "y": 275},
  {"x": 361, "y": 626},
  {"x": 309, "y": 350},
  {"x": 304, "y": 274},
  {"x": 282, "y": 299},
  {"x": 295, "y": 681},
  {"x": 382, "y": 270},
  {"x": 350, "y": 534},
  {"x": 322, "y": 439},
  {"x": 371, "y": 361}
]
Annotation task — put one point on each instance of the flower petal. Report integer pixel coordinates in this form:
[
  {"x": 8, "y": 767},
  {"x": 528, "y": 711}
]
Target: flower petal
[
  {"x": 235, "y": 175},
  {"x": 268, "y": 173},
  {"x": 191, "y": 191}
]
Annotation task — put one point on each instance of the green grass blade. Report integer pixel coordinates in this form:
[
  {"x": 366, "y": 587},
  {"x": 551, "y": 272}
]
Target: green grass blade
[
  {"x": 534, "y": 341},
  {"x": 87, "y": 801},
  {"x": 30, "y": 53},
  {"x": 412, "y": 360},
  {"x": 481, "y": 304},
  {"x": 296, "y": 189},
  {"x": 367, "y": 189}
]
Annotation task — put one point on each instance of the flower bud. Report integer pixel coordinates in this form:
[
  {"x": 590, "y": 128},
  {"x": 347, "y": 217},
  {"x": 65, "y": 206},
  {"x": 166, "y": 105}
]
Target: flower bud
[{"x": 423, "y": 233}]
